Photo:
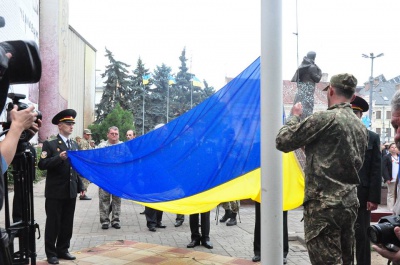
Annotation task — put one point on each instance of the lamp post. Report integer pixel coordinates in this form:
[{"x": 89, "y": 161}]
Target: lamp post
[{"x": 371, "y": 82}]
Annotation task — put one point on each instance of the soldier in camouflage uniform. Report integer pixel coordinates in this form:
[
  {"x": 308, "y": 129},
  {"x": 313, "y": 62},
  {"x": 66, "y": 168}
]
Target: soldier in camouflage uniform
[
  {"x": 105, "y": 205},
  {"x": 394, "y": 256},
  {"x": 84, "y": 144},
  {"x": 231, "y": 209},
  {"x": 335, "y": 141}
]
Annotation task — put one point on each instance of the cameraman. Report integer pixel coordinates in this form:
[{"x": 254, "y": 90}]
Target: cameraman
[
  {"x": 393, "y": 256},
  {"x": 20, "y": 121}
]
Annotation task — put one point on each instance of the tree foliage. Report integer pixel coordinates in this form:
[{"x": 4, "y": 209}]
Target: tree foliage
[
  {"x": 116, "y": 89},
  {"x": 147, "y": 102},
  {"x": 123, "y": 119}
]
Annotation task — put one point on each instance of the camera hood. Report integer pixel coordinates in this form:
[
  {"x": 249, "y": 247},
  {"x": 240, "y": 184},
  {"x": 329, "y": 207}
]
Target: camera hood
[{"x": 24, "y": 66}]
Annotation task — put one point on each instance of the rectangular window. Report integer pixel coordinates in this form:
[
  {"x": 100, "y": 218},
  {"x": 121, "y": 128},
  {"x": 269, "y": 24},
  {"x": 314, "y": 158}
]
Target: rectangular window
[
  {"x": 378, "y": 114},
  {"x": 388, "y": 114},
  {"x": 378, "y": 131},
  {"x": 388, "y": 132}
]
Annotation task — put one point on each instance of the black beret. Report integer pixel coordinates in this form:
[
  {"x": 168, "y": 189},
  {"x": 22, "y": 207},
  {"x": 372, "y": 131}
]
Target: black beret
[
  {"x": 67, "y": 115},
  {"x": 359, "y": 104}
]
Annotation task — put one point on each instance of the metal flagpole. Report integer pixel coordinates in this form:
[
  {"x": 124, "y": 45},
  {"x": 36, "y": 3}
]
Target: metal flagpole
[
  {"x": 143, "y": 111},
  {"x": 271, "y": 121},
  {"x": 168, "y": 102}
]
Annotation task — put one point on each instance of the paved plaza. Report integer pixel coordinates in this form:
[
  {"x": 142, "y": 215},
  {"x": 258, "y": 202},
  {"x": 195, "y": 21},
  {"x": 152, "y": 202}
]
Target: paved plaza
[{"x": 235, "y": 241}]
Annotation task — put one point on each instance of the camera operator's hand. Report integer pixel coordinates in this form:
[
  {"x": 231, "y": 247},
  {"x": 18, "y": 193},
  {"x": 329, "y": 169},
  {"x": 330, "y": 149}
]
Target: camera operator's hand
[
  {"x": 20, "y": 121},
  {"x": 393, "y": 256}
]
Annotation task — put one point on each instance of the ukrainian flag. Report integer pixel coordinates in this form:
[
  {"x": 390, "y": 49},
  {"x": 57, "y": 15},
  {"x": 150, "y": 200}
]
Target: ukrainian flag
[
  {"x": 146, "y": 79},
  {"x": 209, "y": 155},
  {"x": 171, "y": 80},
  {"x": 196, "y": 82}
]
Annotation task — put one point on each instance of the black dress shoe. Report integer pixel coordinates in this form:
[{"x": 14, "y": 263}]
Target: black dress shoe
[
  {"x": 178, "y": 223},
  {"x": 193, "y": 244},
  {"x": 53, "y": 260},
  {"x": 142, "y": 212},
  {"x": 207, "y": 244},
  {"x": 161, "y": 226},
  {"x": 104, "y": 226},
  {"x": 85, "y": 198},
  {"x": 116, "y": 226},
  {"x": 152, "y": 229},
  {"x": 66, "y": 256},
  {"x": 256, "y": 258}
]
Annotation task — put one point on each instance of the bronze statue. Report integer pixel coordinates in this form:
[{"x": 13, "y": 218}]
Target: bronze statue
[{"x": 306, "y": 76}]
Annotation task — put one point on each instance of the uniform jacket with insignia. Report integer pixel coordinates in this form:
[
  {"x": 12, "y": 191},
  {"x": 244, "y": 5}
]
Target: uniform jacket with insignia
[
  {"x": 62, "y": 182},
  {"x": 335, "y": 142}
]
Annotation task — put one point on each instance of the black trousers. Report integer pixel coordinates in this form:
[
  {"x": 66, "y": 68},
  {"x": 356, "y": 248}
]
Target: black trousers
[
  {"x": 59, "y": 225},
  {"x": 205, "y": 226},
  {"x": 180, "y": 217},
  {"x": 153, "y": 216},
  {"x": 363, "y": 246},
  {"x": 257, "y": 233}
]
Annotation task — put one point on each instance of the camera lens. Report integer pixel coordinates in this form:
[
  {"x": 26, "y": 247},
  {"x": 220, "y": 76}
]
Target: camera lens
[{"x": 374, "y": 234}]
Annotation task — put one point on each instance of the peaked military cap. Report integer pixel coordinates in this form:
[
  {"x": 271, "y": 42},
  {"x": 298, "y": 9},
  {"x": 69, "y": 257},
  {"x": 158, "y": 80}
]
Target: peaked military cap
[
  {"x": 343, "y": 81},
  {"x": 359, "y": 104},
  {"x": 67, "y": 115},
  {"x": 87, "y": 131}
]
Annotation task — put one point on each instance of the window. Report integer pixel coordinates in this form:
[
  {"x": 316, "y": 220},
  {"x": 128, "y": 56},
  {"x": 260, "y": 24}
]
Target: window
[
  {"x": 378, "y": 131},
  {"x": 389, "y": 132},
  {"x": 378, "y": 114},
  {"x": 388, "y": 114}
]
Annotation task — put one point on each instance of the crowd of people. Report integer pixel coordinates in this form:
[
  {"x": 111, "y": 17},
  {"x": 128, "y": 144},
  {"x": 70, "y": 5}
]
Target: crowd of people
[{"x": 345, "y": 166}]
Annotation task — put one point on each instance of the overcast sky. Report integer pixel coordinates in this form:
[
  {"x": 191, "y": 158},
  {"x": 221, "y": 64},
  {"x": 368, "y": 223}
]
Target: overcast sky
[{"x": 222, "y": 37}]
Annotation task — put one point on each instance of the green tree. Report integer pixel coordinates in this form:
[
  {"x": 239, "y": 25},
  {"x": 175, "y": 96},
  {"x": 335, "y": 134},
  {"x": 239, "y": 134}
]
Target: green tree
[
  {"x": 116, "y": 90},
  {"x": 184, "y": 95},
  {"x": 123, "y": 119},
  {"x": 157, "y": 107},
  {"x": 138, "y": 95}
]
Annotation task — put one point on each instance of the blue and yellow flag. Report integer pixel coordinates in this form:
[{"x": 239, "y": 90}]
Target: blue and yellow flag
[
  {"x": 171, "y": 80},
  {"x": 196, "y": 82},
  {"x": 146, "y": 79},
  {"x": 210, "y": 154}
]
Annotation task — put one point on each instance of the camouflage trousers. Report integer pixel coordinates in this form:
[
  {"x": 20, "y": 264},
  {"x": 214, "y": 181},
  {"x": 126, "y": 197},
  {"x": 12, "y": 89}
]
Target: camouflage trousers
[
  {"x": 233, "y": 206},
  {"x": 329, "y": 233},
  {"x": 106, "y": 207}
]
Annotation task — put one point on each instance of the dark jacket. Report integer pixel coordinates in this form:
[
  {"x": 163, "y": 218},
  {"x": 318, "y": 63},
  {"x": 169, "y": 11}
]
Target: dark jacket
[
  {"x": 62, "y": 182},
  {"x": 387, "y": 167},
  {"x": 370, "y": 173}
]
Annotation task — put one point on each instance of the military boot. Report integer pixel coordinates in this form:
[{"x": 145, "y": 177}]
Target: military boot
[
  {"x": 232, "y": 221},
  {"x": 226, "y": 216}
]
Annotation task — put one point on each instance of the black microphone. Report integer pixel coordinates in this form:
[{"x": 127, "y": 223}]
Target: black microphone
[{"x": 2, "y": 22}]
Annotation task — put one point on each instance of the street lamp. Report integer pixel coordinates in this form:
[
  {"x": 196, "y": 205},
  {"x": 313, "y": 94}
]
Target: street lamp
[{"x": 371, "y": 82}]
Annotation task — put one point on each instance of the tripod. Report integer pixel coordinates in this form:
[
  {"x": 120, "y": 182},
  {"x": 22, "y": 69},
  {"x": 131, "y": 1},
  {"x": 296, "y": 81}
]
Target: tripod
[{"x": 24, "y": 225}]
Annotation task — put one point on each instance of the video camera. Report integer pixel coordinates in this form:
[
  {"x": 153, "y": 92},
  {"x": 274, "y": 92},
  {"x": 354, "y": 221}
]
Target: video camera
[
  {"x": 383, "y": 232},
  {"x": 26, "y": 135}
]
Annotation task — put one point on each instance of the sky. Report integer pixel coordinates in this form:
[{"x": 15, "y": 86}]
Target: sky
[{"x": 222, "y": 37}]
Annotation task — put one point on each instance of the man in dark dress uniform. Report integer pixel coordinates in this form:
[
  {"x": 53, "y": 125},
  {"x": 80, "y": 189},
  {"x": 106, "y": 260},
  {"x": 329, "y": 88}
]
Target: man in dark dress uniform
[
  {"x": 369, "y": 190},
  {"x": 62, "y": 186}
]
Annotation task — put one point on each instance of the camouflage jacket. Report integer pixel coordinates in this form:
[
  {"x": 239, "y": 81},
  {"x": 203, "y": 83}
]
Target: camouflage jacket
[
  {"x": 335, "y": 141},
  {"x": 84, "y": 145}
]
